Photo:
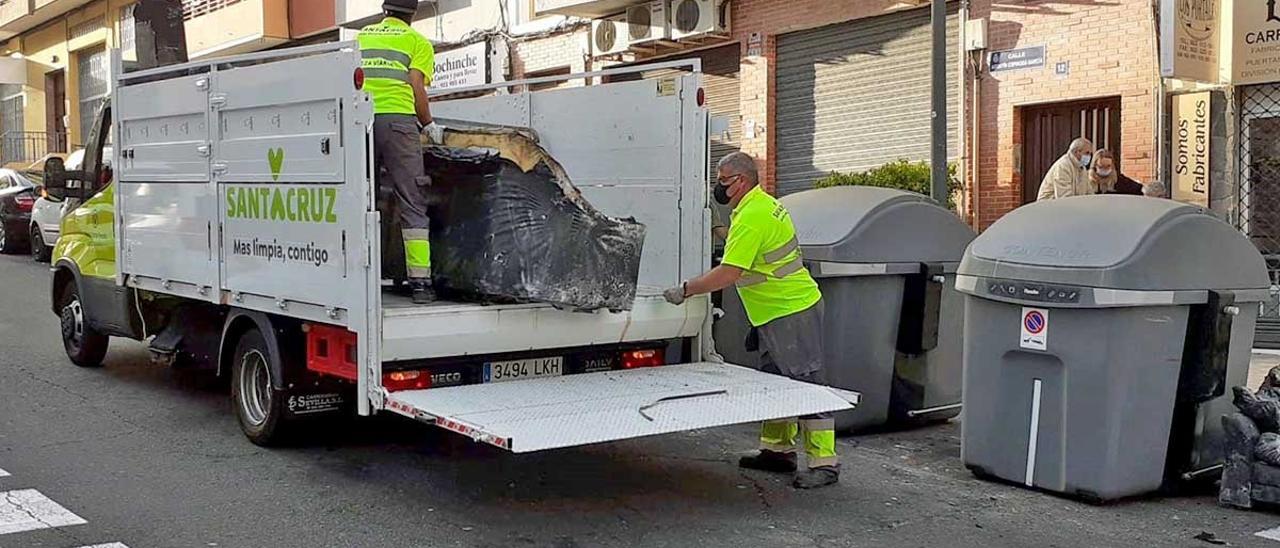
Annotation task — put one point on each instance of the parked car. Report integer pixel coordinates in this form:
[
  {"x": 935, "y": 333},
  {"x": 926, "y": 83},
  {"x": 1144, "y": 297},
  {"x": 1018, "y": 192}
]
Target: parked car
[
  {"x": 17, "y": 197},
  {"x": 46, "y": 215}
]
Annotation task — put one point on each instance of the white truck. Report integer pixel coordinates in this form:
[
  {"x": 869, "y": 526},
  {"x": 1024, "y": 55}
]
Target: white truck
[{"x": 241, "y": 231}]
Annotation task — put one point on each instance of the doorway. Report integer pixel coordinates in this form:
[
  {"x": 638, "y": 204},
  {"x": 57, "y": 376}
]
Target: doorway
[
  {"x": 1047, "y": 131},
  {"x": 55, "y": 110}
]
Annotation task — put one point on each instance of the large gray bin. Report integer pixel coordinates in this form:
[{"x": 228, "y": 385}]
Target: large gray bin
[
  {"x": 884, "y": 260},
  {"x": 1101, "y": 336}
]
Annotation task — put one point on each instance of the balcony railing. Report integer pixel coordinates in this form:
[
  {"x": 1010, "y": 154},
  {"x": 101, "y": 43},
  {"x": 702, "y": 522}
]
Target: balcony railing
[{"x": 25, "y": 147}]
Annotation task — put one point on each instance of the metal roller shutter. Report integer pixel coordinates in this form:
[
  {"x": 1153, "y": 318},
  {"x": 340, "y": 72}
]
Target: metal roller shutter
[
  {"x": 855, "y": 95},
  {"x": 720, "y": 82}
]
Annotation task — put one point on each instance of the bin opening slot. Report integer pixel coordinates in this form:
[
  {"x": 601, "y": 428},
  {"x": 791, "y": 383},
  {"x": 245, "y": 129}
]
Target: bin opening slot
[
  {"x": 921, "y": 306},
  {"x": 1203, "y": 377}
]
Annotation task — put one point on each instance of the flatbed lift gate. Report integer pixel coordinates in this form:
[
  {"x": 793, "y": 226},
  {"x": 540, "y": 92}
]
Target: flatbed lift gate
[{"x": 556, "y": 412}]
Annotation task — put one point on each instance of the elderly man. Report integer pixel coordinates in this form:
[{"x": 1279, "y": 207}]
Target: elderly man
[
  {"x": 1069, "y": 176},
  {"x": 762, "y": 258}
]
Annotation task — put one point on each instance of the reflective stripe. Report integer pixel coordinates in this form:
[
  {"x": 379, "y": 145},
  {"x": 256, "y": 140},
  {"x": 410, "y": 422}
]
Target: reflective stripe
[
  {"x": 782, "y": 252},
  {"x": 818, "y": 462},
  {"x": 388, "y": 54},
  {"x": 392, "y": 74},
  {"x": 789, "y": 268},
  {"x": 750, "y": 279}
]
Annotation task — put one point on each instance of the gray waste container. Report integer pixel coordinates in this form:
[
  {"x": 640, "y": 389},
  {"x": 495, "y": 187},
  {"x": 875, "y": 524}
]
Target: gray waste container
[
  {"x": 884, "y": 260},
  {"x": 1101, "y": 336}
]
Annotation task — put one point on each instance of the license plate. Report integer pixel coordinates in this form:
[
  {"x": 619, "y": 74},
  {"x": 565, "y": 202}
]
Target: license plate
[{"x": 523, "y": 369}]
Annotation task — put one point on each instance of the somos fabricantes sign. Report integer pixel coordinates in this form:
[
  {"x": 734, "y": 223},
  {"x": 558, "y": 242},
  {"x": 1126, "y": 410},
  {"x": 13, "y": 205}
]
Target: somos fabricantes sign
[
  {"x": 1256, "y": 36},
  {"x": 462, "y": 67},
  {"x": 1191, "y": 134},
  {"x": 1189, "y": 39}
]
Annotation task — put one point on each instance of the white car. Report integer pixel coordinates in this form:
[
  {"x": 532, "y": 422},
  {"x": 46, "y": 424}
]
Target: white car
[{"x": 46, "y": 215}]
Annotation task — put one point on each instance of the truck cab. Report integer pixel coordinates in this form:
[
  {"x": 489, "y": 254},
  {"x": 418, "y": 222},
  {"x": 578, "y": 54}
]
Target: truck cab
[{"x": 241, "y": 231}]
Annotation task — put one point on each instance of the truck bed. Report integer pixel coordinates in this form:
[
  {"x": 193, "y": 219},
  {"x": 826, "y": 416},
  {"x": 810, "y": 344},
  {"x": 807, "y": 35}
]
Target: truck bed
[{"x": 447, "y": 329}]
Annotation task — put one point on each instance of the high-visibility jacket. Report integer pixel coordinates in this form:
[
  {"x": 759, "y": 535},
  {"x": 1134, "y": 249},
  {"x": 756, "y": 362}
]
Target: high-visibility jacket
[
  {"x": 762, "y": 242},
  {"x": 389, "y": 50}
]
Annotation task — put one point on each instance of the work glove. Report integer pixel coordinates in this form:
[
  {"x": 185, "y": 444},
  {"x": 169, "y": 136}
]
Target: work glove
[
  {"x": 675, "y": 295},
  {"x": 434, "y": 133}
]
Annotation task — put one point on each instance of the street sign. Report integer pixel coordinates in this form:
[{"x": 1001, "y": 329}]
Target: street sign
[{"x": 1014, "y": 59}]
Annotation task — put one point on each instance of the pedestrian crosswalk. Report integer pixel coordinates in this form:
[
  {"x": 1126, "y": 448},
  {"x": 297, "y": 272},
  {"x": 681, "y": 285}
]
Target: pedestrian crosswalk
[{"x": 23, "y": 510}]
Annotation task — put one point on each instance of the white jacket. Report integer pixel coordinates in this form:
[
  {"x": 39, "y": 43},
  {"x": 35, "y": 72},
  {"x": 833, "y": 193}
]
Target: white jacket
[{"x": 1065, "y": 178}]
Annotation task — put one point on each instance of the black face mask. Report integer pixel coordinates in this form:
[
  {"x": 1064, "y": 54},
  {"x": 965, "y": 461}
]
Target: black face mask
[{"x": 721, "y": 194}]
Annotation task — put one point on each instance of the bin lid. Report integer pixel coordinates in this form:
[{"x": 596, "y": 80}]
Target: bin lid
[
  {"x": 1117, "y": 242},
  {"x": 860, "y": 224}
]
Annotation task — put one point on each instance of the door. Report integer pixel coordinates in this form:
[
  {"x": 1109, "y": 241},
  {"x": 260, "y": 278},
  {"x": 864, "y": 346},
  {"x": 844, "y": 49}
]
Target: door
[
  {"x": 55, "y": 109},
  {"x": 1258, "y": 193},
  {"x": 1047, "y": 131},
  {"x": 554, "y": 412}
]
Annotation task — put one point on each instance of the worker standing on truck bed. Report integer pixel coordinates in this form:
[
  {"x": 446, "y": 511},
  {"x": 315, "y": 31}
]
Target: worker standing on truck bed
[
  {"x": 398, "y": 66},
  {"x": 762, "y": 257}
]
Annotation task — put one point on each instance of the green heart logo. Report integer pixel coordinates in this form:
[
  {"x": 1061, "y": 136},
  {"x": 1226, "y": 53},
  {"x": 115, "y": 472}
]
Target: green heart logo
[{"x": 275, "y": 157}]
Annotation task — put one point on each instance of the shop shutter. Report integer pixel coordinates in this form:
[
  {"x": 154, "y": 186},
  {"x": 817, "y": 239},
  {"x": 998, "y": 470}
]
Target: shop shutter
[{"x": 853, "y": 96}]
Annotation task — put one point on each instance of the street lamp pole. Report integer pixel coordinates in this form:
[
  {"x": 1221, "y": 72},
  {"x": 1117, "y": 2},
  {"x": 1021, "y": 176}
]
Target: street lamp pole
[{"x": 938, "y": 138}]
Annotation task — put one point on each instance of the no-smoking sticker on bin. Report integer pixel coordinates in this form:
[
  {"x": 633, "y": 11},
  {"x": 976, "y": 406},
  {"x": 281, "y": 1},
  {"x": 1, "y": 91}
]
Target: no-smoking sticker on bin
[{"x": 1035, "y": 329}]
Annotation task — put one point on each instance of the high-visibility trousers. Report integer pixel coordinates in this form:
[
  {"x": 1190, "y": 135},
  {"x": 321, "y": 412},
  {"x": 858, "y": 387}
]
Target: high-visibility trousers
[
  {"x": 398, "y": 149},
  {"x": 819, "y": 438}
]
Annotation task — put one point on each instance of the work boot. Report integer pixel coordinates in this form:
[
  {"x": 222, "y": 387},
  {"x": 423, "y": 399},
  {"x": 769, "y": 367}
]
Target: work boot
[
  {"x": 422, "y": 291},
  {"x": 816, "y": 477},
  {"x": 769, "y": 461}
]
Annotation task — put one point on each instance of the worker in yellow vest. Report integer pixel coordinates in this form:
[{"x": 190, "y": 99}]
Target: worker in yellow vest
[
  {"x": 398, "y": 66},
  {"x": 762, "y": 258}
]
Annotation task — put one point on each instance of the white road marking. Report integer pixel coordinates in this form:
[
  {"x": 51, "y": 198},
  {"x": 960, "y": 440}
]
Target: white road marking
[
  {"x": 108, "y": 545},
  {"x": 1269, "y": 534},
  {"x": 28, "y": 510},
  {"x": 3, "y": 473}
]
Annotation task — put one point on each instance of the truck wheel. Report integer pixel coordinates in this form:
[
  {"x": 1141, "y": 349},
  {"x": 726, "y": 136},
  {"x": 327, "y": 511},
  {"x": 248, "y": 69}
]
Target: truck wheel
[
  {"x": 40, "y": 253},
  {"x": 85, "y": 346},
  {"x": 260, "y": 408}
]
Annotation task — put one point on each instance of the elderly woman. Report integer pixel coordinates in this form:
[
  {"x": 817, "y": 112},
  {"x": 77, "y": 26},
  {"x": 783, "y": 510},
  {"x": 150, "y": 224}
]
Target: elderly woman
[{"x": 1104, "y": 176}]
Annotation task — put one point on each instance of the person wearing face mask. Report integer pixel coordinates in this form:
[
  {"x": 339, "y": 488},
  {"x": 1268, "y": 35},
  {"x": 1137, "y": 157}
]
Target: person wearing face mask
[
  {"x": 1068, "y": 176},
  {"x": 782, "y": 301},
  {"x": 1107, "y": 179}
]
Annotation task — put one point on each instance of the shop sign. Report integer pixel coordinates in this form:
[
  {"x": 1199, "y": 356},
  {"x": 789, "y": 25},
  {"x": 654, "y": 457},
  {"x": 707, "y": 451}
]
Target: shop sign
[
  {"x": 1256, "y": 36},
  {"x": 1190, "y": 142},
  {"x": 462, "y": 67},
  {"x": 1190, "y": 38},
  {"x": 1021, "y": 58}
]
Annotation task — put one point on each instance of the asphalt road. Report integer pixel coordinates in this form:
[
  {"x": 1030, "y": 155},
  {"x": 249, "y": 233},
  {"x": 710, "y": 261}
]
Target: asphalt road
[{"x": 148, "y": 456}]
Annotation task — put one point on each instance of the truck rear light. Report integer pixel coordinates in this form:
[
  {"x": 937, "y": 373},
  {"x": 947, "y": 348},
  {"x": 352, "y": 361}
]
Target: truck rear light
[
  {"x": 24, "y": 202},
  {"x": 406, "y": 380},
  {"x": 359, "y": 78},
  {"x": 331, "y": 351},
  {"x": 632, "y": 359}
]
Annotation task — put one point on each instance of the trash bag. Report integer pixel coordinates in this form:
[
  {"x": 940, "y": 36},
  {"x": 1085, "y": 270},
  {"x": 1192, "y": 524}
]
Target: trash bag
[
  {"x": 1268, "y": 448},
  {"x": 1263, "y": 411},
  {"x": 507, "y": 226}
]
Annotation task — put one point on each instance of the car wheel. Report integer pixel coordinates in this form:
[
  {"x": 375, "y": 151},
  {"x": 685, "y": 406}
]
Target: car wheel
[
  {"x": 85, "y": 346},
  {"x": 260, "y": 408},
  {"x": 40, "y": 253},
  {"x": 7, "y": 244}
]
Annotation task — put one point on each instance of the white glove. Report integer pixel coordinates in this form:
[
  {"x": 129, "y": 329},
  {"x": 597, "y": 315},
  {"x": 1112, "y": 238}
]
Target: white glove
[
  {"x": 675, "y": 295},
  {"x": 434, "y": 132}
]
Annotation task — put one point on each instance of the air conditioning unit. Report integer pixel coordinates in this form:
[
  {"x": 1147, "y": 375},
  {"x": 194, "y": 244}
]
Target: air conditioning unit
[
  {"x": 648, "y": 22},
  {"x": 693, "y": 18},
  {"x": 609, "y": 35}
]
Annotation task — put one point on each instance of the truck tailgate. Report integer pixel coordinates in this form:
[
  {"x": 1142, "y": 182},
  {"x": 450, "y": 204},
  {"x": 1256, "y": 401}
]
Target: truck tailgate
[{"x": 549, "y": 413}]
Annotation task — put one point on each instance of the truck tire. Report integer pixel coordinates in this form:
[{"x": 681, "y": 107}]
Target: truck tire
[
  {"x": 40, "y": 253},
  {"x": 85, "y": 346},
  {"x": 260, "y": 408}
]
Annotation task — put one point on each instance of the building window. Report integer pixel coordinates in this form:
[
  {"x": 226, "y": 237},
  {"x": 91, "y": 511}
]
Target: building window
[
  {"x": 95, "y": 84},
  {"x": 561, "y": 71},
  {"x": 128, "y": 33},
  {"x": 13, "y": 146},
  {"x": 520, "y": 12}
]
